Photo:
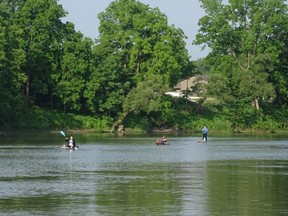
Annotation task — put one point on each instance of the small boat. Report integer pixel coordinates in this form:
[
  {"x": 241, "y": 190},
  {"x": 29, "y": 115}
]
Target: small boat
[
  {"x": 159, "y": 142},
  {"x": 68, "y": 147}
]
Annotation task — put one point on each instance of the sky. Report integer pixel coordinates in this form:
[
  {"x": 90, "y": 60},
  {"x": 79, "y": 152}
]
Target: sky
[{"x": 182, "y": 14}]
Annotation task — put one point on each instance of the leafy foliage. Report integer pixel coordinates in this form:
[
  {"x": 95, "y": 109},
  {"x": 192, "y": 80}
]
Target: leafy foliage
[
  {"x": 142, "y": 56},
  {"x": 246, "y": 38},
  {"x": 51, "y": 76}
]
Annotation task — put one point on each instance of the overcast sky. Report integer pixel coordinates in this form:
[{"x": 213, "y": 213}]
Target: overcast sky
[{"x": 183, "y": 14}]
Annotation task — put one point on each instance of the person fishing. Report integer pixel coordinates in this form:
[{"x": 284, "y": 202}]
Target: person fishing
[{"x": 204, "y": 134}]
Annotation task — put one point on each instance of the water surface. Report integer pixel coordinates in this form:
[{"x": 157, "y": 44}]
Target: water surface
[{"x": 133, "y": 176}]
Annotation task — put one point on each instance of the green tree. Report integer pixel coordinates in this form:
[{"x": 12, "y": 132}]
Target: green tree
[
  {"x": 278, "y": 43},
  {"x": 75, "y": 66},
  {"x": 11, "y": 60},
  {"x": 107, "y": 86},
  {"x": 146, "y": 98},
  {"x": 40, "y": 29},
  {"x": 244, "y": 39},
  {"x": 135, "y": 44},
  {"x": 143, "y": 38}
]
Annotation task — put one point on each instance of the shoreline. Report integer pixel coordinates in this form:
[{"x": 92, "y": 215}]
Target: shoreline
[{"x": 156, "y": 131}]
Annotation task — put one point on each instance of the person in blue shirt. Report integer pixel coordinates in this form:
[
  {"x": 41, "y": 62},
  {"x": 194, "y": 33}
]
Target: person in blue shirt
[{"x": 204, "y": 134}]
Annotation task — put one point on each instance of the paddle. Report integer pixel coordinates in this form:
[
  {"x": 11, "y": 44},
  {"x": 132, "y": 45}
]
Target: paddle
[{"x": 62, "y": 132}]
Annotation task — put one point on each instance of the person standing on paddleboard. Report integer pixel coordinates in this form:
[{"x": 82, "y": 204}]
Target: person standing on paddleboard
[{"x": 204, "y": 133}]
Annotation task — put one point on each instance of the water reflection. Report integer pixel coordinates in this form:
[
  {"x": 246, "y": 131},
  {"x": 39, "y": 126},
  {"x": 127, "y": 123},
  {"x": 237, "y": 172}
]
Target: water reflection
[
  {"x": 249, "y": 187},
  {"x": 132, "y": 176}
]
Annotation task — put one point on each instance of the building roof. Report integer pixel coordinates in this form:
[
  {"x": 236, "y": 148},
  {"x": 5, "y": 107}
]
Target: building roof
[
  {"x": 190, "y": 82},
  {"x": 185, "y": 84}
]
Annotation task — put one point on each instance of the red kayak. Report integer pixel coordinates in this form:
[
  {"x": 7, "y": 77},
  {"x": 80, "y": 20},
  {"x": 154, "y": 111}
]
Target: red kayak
[{"x": 159, "y": 142}]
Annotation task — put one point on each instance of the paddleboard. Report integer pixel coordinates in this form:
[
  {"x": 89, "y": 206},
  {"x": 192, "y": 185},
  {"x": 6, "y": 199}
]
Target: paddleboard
[{"x": 201, "y": 141}]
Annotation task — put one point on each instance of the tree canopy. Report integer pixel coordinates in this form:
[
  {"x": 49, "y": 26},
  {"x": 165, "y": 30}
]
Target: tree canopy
[
  {"x": 45, "y": 62},
  {"x": 248, "y": 56},
  {"x": 135, "y": 43}
]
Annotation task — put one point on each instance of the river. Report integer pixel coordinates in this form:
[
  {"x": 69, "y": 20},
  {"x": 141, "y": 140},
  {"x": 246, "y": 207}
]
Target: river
[{"x": 130, "y": 175}]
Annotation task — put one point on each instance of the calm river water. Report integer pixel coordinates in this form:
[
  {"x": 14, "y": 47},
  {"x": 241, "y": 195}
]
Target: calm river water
[{"x": 132, "y": 176}]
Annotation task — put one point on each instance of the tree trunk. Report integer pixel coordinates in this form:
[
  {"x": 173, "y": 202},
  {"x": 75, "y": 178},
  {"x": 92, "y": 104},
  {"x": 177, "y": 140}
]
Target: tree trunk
[
  {"x": 199, "y": 105},
  {"x": 119, "y": 122},
  {"x": 27, "y": 87},
  {"x": 255, "y": 103},
  {"x": 27, "y": 92}
]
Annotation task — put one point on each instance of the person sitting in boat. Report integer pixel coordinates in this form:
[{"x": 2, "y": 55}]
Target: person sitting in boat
[
  {"x": 70, "y": 142},
  {"x": 163, "y": 139}
]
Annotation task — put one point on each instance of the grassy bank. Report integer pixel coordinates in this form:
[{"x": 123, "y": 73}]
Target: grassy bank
[{"x": 40, "y": 119}]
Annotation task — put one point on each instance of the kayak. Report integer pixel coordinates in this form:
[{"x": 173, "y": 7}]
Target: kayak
[
  {"x": 67, "y": 147},
  {"x": 159, "y": 142}
]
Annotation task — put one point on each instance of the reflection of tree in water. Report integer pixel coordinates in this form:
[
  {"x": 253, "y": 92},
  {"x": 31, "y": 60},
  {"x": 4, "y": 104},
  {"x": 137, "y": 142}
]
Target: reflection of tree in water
[
  {"x": 31, "y": 203},
  {"x": 150, "y": 190},
  {"x": 247, "y": 187}
]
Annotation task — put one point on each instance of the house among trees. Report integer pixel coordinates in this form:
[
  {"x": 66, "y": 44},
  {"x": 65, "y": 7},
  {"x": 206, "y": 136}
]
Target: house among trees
[{"x": 192, "y": 88}]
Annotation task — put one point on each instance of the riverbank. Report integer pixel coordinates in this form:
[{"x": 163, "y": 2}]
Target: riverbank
[
  {"x": 51, "y": 121},
  {"x": 157, "y": 131}
]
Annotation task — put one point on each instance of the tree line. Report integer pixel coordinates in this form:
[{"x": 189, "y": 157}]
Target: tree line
[
  {"x": 123, "y": 75},
  {"x": 248, "y": 62}
]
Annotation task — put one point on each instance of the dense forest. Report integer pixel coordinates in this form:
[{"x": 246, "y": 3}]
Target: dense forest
[{"x": 52, "y": 76}]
